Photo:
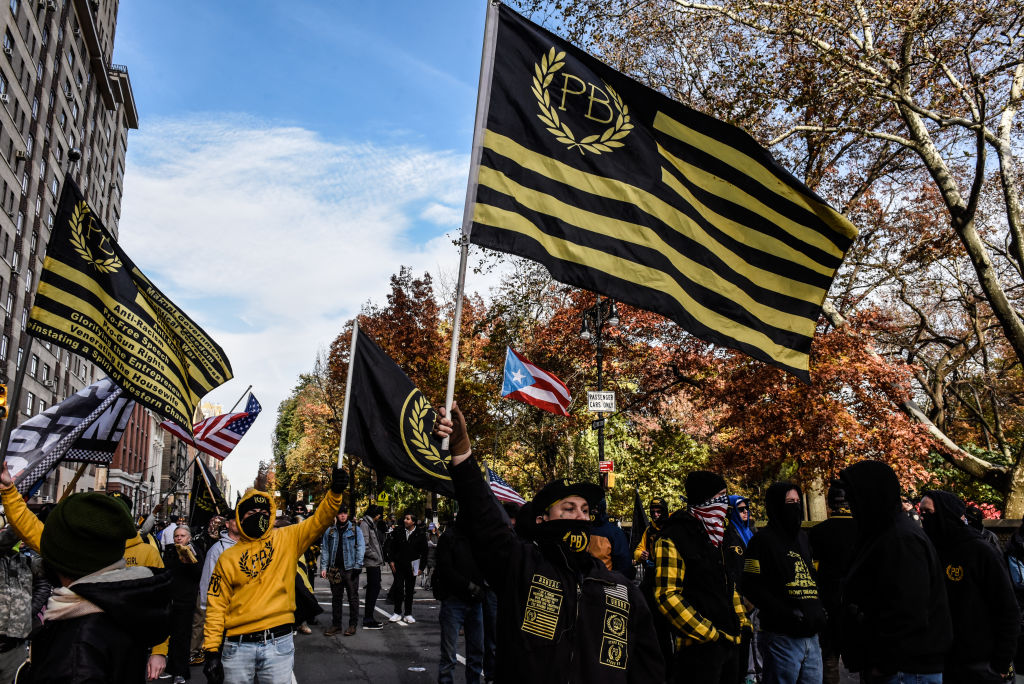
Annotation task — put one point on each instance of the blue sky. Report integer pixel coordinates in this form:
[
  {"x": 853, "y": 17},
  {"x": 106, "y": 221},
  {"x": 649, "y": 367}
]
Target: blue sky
[{"x": 290, "y": 157}]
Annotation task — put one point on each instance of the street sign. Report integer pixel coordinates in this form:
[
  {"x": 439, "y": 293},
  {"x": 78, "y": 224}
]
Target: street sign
[
  {"x": 597, "y": 424},
  {"x": 606, "y": 466},
  {"x": 601, "y": 402}
]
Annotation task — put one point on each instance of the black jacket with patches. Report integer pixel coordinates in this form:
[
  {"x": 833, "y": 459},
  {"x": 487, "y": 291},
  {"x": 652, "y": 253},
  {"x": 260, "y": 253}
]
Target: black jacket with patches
[
  {"x": 560, "y": 619},
  {"x": 986, "y": 619},
  {"x": 895, "y": 616},
  {"x": 112, "y": 646},
  {"x": 778, "y": 575}
]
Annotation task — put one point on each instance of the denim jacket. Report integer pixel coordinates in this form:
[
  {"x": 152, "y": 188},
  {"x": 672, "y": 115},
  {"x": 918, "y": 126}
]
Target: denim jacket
[{"x": 353, "y": 546}]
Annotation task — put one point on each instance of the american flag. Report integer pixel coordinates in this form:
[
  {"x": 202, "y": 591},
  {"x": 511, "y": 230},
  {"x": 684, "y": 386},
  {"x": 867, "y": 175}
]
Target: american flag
[
  {"x": 218, "y": 435},
  {"x": 712, "y": 516},
  {"x": 503, "y": 490},
  {"x": 533, "y": 385}
]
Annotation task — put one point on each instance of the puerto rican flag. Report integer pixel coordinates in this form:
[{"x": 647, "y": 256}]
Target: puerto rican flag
[
  {"x": 218, "y": 435},
  {"x": 531, "y": 385},
  {"x": 503, "y": 490}
]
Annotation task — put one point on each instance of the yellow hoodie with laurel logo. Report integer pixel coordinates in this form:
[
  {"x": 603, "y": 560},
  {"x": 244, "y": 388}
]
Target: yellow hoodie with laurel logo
[{"x": 252, "y": 587}]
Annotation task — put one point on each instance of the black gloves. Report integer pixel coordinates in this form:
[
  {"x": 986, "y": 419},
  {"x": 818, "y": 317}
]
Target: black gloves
[
  {"x": 476, "y": 592},
  {"x": 339, "y": 480},
  {"x": 213, "y": 669}
]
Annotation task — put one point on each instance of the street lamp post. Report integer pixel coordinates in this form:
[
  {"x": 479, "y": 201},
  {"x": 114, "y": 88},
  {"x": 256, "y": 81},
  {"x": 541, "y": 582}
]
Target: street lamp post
[{"x": 594, "y": 319}]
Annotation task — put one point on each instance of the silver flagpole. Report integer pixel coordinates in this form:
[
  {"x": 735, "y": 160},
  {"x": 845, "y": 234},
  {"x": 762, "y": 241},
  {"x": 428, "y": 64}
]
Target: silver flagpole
[
  {"x": 348, "y": 392},
  {"x": 483, "y": 100}
]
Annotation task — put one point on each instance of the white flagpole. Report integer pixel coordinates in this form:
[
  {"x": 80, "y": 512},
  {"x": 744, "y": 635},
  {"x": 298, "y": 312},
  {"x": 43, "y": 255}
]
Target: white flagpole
[
  {"x": 348, "y": 391},
  {"x": 483, "y": 100}
]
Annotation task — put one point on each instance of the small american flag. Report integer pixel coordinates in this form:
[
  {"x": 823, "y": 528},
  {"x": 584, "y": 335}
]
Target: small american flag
[
  {"x": 218, "y": 435},
  {"x": 503, "y": 490}
]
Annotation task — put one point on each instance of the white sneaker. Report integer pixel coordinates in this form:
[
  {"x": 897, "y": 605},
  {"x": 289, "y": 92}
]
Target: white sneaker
[
  {"x": 395, "y": 617},
  {"x": 408, "y": 619}
]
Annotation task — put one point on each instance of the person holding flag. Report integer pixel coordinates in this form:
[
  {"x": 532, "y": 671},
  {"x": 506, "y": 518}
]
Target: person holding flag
[
  {"x": 569, "y": 618},
  {"x": 251, "y": 597}
]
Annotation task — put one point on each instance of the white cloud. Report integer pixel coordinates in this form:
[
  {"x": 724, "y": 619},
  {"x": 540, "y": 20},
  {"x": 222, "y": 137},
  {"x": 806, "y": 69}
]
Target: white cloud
[{"x": 271, "y": 237}]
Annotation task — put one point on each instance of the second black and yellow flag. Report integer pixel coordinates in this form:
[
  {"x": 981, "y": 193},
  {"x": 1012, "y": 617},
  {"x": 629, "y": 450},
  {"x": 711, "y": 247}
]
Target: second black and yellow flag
[
  {"x": 93, "y": 301},
  {"x": 618, "y": 189}
]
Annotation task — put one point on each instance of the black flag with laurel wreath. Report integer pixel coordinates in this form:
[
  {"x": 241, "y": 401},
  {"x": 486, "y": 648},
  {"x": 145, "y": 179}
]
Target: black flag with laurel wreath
[
  {"x": 207, "y": 501},
  {"x": 620, "y": 190},
  {"x": 390, "y": 422},
  {"x": 94, "y": 301}
]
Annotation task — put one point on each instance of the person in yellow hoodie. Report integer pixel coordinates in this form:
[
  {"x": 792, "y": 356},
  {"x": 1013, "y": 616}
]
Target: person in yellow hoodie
[
  {"x": 250, "y": 605},
  {"x": 30, "y": 529}
]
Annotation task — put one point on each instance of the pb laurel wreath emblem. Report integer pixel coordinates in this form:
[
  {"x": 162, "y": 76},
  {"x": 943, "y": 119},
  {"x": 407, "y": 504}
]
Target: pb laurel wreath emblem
[
  {"x": 415, "y": 435},
  {"x": 543, "y": 74},
  {"x": 108, "y": 261}
]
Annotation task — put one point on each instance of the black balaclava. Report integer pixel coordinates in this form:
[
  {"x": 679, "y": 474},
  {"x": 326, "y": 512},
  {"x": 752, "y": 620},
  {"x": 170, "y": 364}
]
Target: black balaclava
[
  {"x": 945, "y": 526},
  {"x": 256, "y": 525},
  {"x": 782, "y": 516},
  {"x": 873, "y": 491}
]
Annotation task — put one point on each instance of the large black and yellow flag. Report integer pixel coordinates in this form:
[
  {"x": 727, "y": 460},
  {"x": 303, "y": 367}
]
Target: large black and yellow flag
[
  {"x": 390, "y": 422},
  {"x": 207, "y": 500},
  {"x": 93, "y": 301},
  {"x": 618, "y": 189}
]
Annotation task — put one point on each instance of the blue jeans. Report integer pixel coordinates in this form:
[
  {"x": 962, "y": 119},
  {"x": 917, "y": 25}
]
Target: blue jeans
[
  {"x": 265, "y": 662},
  {"x": 457, "y": 613},
  {"x": 490, "y": 606},
  {"x": 791, "y": 660},
  {"x": 903, "y": 678}
]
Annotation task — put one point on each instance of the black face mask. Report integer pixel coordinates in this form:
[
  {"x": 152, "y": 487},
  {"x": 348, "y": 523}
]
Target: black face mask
[
  {"x": 573, "y": 536},
  {"x": 255, "y": 525},
  {"x": 791, "y": 517},
  {"x": 932, "y": 527}
]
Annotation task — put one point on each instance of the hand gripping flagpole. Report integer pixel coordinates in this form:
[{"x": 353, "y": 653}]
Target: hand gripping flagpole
[
  {"x": 348, "y": 391},
  {"x": 483, "y": 100}
]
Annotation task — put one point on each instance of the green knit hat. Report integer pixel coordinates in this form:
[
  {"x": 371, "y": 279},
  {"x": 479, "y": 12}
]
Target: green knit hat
[{"x": 85, "y": 533}]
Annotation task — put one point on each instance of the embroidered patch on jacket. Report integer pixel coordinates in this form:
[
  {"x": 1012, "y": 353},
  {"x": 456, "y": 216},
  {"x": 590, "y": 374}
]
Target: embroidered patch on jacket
[
  {"x": 542, "y": 609},
  {"x": 616, "y": 619},
  {"x": 617, "y": 597},
  {"x": 253, "y": 564},
  {"x": 752, "y": 565},
  {"x": 613, "y": 653},
  {"x": 955, "y": 572}
]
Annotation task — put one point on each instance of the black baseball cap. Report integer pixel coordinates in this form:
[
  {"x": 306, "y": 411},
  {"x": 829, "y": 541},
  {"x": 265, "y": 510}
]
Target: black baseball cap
[{"x": 556, "y": 490}]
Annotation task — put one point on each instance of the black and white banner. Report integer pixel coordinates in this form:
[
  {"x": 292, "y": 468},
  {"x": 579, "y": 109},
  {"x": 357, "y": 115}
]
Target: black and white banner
[{"x": 85, "y": 428}]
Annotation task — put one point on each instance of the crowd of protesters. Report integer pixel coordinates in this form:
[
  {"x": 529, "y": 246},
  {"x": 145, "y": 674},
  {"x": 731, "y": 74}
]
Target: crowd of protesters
[{"x": 550, "y": 591}]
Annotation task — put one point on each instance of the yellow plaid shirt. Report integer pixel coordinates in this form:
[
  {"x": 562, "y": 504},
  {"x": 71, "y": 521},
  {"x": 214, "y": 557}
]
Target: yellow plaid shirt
[{"x": 669, "y": 570}]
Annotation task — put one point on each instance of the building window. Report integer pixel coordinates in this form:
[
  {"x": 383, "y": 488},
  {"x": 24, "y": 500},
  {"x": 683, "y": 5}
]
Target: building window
[
  {"x": 35, "y": 108},
  {"x": 62, "y": 120},
  {"x": 14, "y": 6},
  {"x": 15, "y": 260},
  {"x": 3, "y": 84},
  {"x": 21, "y": 353},
  {"x": 42, "y": 405},
  {"x": 54, "y": 186},
  {"x": 30, "y": 403},
  {"x": 29, "y": 143},
  {"x": 24, "y": 319},
  {"x": 10, "y": 301},
  {"x": 74, "y": 111},
  {"x": 5, "y": 342},
  {"x": 39, "y": 71},
  {"x": 42, "y": 169},
  {"x": 19, "y": 224},
  {"x": 46, "y": 36},
  {"x": 71, "y": 57},
  {"x": 33, "y": 366},
  {"x": 46, "y": 372},
  {"x": 8, "y": 41}
]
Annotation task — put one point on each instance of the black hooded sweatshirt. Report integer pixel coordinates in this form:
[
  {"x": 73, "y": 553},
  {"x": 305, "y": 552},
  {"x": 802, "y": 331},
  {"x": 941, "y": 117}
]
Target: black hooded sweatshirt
[
  {"x": 895, "y": 613},
  {"x": 778, "y": 573},
  {"x": 986, "y": 619}
]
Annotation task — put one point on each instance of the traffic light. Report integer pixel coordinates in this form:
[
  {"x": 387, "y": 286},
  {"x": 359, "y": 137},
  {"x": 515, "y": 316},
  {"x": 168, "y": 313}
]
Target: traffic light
[{"x": 3, "y": 402}]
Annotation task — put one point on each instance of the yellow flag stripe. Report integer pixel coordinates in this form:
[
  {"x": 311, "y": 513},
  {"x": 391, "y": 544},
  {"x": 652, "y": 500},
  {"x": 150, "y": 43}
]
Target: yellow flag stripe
[
  {"x": 727, "y": 191},
  {"x": 748, "y": 166},
  {"x": 82, "y": 280},
  {"x": 58, "y": 322},
  {"x": 645, "y": 201},
  {"x": 646, "y": 277},
  {"x": 646, "y": 237}
]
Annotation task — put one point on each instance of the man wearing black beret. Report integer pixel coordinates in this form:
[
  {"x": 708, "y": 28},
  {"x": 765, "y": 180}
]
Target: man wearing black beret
[{"x": 566, "y": 618}]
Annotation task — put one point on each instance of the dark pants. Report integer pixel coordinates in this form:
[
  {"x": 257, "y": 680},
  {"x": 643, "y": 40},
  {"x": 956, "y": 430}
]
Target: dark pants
[
  {"x": 713, "y": 663},
  {"x": 405, "y": 583},
  {"x": 349, "y": 584},
  {"x": 372, "y": 592},
  {"x": 662, "y": 630},
  {"x": 490, "y": 606},
  {"x": 468, "y": 615},
  {"x": 181, "y": 639}
]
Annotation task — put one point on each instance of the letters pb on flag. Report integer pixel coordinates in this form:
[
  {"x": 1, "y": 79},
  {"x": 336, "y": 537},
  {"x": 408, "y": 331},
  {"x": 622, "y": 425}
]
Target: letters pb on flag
[
  {"x": 529, "y": 384},
  {"x": 94, "y": 301},
  {"x": 620, "y": 190},
  {"x": 391, "y": 422}
]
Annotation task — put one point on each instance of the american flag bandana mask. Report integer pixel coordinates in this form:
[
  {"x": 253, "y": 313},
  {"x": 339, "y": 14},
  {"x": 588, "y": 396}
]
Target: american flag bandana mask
[{"x": 712, "y": 516}]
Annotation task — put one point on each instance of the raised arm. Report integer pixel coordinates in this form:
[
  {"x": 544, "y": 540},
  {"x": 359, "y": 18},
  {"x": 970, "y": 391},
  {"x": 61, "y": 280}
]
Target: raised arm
[
  {"x": 25, "y": 524},
  {"x": 306, "y": 532}
]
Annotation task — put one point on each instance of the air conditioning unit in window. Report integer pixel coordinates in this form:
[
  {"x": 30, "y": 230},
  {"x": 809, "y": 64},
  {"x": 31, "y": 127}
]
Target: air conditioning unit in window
[
  {"x": 5, "y": 98},
  {"x": 49, "y": 384},
  {"x": 21, "y": 154},
  {"x": 8, "y": 51},
  {"x": 76, "y": 32}
]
